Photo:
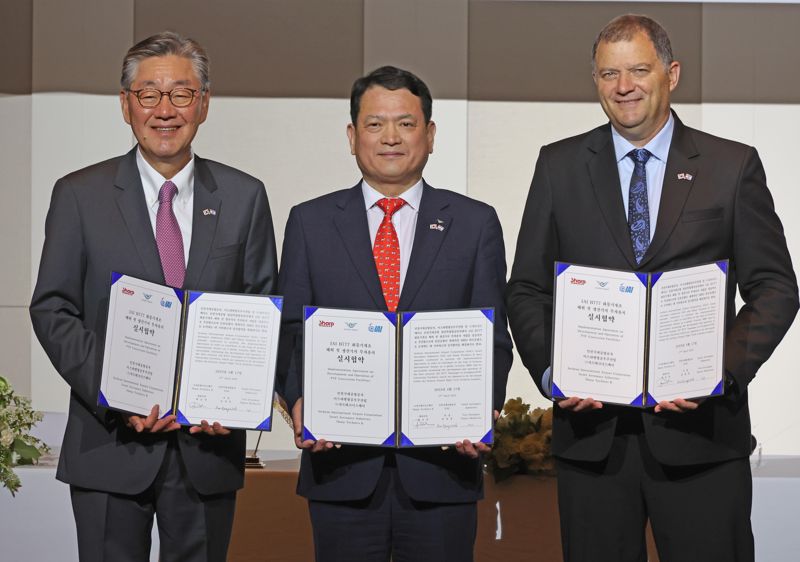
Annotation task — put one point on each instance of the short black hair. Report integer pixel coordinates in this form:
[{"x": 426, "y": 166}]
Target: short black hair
[{"x": 391, "y": 78}]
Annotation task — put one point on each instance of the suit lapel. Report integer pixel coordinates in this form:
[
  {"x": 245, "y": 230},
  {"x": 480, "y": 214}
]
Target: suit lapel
[
  {"x": 604, "y": 176},
  {"x": 351, "y": 223},
  {"x": 204, "y": 224},
  {"x": 427, "y": 242},
  {"x": 133, "y": 207},
  {"x": 679, "y": 177}
]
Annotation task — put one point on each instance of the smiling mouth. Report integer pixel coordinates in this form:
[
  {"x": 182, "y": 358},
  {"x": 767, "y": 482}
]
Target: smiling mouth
[{"x": 165, "y": 129}]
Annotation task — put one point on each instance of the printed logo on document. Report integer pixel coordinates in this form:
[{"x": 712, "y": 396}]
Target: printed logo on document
[
  {"x": 574, "y": 281},
  {"x": 326, "y": 324},
  {"x": 623, "y": 288},
  {"x": 351, "y": 326},
  {"x": 166, "y": 304},
  {"x": 375, "y": 328},
  {"x": 127, "y": 291},
  {"x": 147, "y": 296}
]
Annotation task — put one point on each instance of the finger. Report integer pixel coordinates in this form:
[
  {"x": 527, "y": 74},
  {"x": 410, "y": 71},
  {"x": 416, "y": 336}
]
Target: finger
[
  {"x": 136, "y": 423},
  {"x": 483, "y": 448},
  {"x": 666, "y": 405},
  {"x": 686, "y": 405},
  {"x": 152, "y": 417},
  {"x": 569, "y": 403},
  {"x": 163, "y": 424},
  {"x": 496, "y": 415},
  {"x": 220, "y": 429}
]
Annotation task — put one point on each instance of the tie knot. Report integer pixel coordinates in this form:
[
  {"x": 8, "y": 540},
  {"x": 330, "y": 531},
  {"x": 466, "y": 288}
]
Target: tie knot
[
  {"x": 640, "y": 155},
  {"x": 389, "y": 206},
  {"x": 167, "y": 192}
]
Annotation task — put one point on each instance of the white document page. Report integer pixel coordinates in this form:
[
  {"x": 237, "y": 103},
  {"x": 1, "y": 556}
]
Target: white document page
[
  {"x": 230, "y": 352},
  {"x": 349, "y": 381},
  {"x": 599, "y": 333},
  {"x": 141, "y": 346},
  {"x": 687, "y": 332},
  {"x": 446, "y": 377}
]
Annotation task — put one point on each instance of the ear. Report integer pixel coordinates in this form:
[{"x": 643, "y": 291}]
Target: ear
[
  {"x": 431, "y": 133},
  {"x": 123, "y": 102},
  {"x": 674, "y": 74},
  {"x": 205, "y": 98},
  {"x": 351, "y": 137}
]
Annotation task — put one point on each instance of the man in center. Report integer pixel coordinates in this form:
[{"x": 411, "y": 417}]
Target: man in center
[{"x": 370, "y": 503}]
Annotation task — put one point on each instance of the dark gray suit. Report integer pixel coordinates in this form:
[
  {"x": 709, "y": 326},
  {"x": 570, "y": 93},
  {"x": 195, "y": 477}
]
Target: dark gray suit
[
  {"x": 721, "y": 209},
  {"x": 98, "y": 222}
]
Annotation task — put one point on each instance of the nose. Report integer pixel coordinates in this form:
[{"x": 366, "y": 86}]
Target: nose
[
  {"x": 391, "y": 135},
  {"x": 625, "y": 83},
  {"x": 164, "y": 109}
]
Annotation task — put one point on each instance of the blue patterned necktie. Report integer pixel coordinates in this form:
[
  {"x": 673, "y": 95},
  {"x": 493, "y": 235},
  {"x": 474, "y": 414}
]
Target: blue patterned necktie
[{"x": 638, "y": 209}]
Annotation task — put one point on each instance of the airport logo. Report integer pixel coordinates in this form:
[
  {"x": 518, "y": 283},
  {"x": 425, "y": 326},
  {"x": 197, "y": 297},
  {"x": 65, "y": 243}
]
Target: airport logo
[
  {"x": 602, "y": 284},
  {"x": 147, "y": 296}
]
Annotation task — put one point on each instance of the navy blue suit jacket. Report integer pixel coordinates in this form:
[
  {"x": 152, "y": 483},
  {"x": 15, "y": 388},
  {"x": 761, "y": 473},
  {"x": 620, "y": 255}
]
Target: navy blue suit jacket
[{"x": 327, "y": 261}]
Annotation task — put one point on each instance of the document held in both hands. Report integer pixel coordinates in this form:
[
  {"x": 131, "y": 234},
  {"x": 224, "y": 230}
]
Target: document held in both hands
[
  {"x": 205, "y": 356},
  {"x": 400, "y": 379},
  {"x": 632, "y": 338}
]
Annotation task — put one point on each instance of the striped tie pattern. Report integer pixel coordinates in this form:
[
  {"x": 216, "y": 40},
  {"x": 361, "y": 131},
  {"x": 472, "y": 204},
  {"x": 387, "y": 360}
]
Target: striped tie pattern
[
  {"x": 387, "y": 253},
  {"x": 168, "y": 237}
]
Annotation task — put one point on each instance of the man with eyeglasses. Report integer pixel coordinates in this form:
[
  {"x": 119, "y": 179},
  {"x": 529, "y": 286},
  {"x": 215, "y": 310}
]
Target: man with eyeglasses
[{"x": 163, "y": 214}]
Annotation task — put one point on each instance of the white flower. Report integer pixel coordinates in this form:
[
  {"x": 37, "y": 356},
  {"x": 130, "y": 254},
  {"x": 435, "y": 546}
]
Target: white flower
[{"x": 6, "y": 438}]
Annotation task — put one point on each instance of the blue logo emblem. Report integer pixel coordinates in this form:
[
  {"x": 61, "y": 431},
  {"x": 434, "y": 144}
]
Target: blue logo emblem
[
  {"x": 375, "y": 328},
  {"x": 623, "y": 288},
  {"x": 166, "y": 304}
]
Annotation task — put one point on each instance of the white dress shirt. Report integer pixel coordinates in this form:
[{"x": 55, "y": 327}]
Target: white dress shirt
[
  {"x": 182, "y": 203},
  {"x": 404, "y": 220}
]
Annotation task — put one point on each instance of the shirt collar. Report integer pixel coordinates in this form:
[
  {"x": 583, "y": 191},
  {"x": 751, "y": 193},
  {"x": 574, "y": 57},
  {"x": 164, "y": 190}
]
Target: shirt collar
[
  {"x": 658, "y": 145},
  {"x": 412, "y": 196},
  {"x": 152, "y": 180}
]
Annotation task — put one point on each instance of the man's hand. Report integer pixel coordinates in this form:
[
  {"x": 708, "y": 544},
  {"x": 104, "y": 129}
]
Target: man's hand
[
  {"x": 575, "y": 404},
  {"x": 297, "y": 422},
  {"x": 473, "y": 450},
  {"x": 679, "y": 405},
  {"x": 151, "y": 424},
  {"x": 209, "y": 429}
]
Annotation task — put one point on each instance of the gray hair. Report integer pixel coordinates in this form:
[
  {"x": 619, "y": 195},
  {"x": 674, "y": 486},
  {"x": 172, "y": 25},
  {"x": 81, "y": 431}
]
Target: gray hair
[
  {"x": 623, "y": 28},
  {"x": 161, "y": 45}
]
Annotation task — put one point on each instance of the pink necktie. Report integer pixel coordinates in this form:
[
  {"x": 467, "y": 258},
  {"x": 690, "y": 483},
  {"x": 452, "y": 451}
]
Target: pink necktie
[
  {"x": 387, "y": 253},
  {"x": 168, "y": 237}
]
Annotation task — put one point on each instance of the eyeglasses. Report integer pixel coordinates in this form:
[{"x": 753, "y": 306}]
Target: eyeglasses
[{"x": 179, "y": 97}]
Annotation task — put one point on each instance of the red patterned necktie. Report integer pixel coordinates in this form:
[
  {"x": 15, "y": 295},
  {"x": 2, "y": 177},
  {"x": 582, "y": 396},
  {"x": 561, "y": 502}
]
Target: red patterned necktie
[
  {"x": 168, "y": 237},
  {"x": 387, "y": 253}
]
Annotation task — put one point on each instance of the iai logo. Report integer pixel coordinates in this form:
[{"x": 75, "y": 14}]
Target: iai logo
[
  {"x": 602, "y": 284},
  {"x": 126, "y": 291},
  {"x": 574, "y": 281},
  {"x": 166, "y": 304},
  {"x": 326, "y": 324},
  {"x": 623, "y": 288},
  {"x": 351, "y": 325},
  {"x": 147, "y": 296},
  {"x": 375, "y": 328}
]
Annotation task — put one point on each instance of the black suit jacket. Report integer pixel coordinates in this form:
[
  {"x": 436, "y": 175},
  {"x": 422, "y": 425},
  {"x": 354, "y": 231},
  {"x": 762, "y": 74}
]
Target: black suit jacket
[
  {"x": 98, "y": 222},
  {"x": 575, "y": 213},
  {"x": 327, "y": 261}
]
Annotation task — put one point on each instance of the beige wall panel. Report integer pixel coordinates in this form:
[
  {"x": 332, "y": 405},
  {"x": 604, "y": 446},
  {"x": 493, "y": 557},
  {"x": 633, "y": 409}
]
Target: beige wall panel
[
  {"x": 78, "y": 45},
  {"x": 541, "y": 51},
  {"x": 15, "y": 358},
  {"x": 15, "y": 228},
  {"x": 427, "y": 38},
  {"x": 16, "y": 24},
  {"x": 280, "y": 48},
  {"x": 772, "y": 130},
  {"x": 751, "y": 53},
  {"x": 69, "y": 132}
]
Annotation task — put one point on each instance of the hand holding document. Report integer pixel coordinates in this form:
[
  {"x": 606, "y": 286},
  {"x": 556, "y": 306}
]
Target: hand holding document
[
  {"x": 209, "y": 357},
  {"x": 638, "y": 339},
  {"x": 398, "y": 379}
]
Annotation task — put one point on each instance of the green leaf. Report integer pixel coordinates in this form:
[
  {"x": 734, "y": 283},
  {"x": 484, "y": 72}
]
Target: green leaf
[{"x": 26, "y": 452}]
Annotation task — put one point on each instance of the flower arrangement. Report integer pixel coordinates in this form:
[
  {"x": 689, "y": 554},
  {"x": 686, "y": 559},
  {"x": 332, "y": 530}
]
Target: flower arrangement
[
  {"x": 522, "y": 441},
  {"x": 17, "y": 446}
]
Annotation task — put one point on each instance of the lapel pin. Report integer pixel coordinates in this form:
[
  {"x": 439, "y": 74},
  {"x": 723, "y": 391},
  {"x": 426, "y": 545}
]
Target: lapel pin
[
  {"x": 685, "y": 176},
  {"x": 207, "y": 212},
  {"x": 437, "y": 226}
]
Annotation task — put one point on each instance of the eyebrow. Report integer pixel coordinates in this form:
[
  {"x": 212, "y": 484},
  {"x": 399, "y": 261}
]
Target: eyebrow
[
  {"x": 396, "y": 118},
  {"x": 176, "y": 83}
]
